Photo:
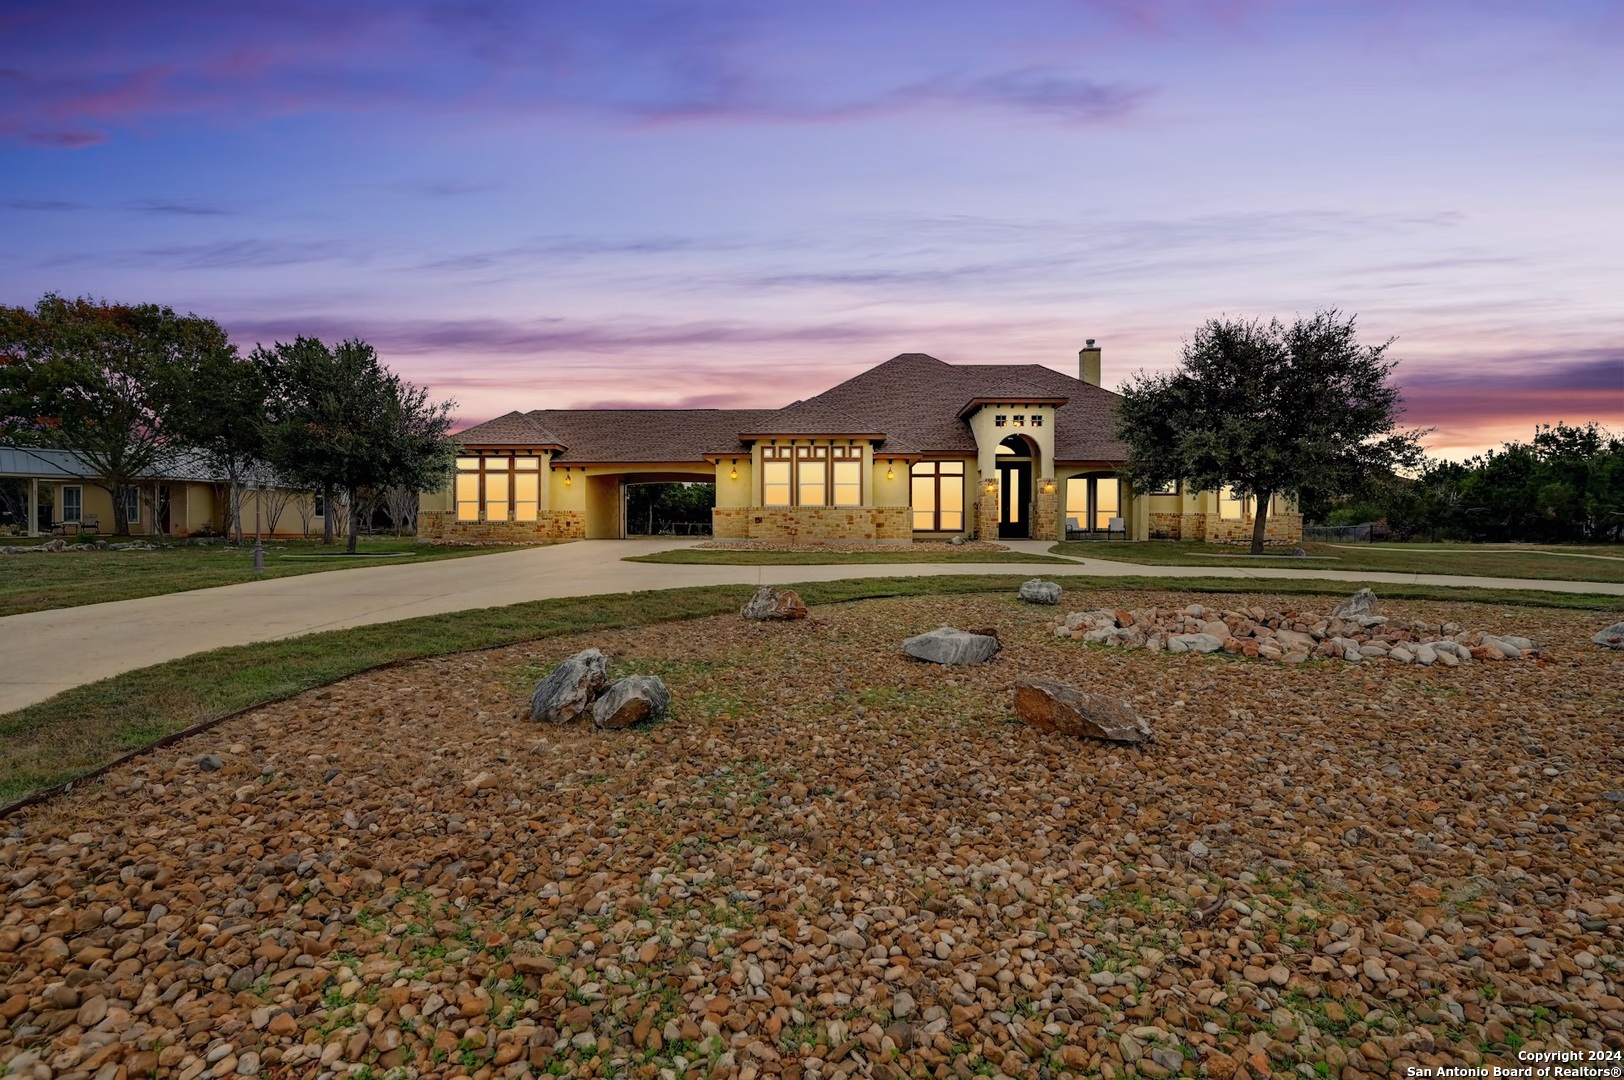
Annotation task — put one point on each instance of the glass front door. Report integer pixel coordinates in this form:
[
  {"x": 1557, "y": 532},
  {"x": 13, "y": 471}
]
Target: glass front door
[{"x": 1014, "y": 500}]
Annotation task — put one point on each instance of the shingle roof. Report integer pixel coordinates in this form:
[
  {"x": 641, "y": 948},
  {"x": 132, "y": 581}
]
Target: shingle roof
[
  {"x": 912, "y": 400},
  {"x": 915, "y": 399},
  {"x": 509, "y": 429},
  {"x": 606, "y": 435}
]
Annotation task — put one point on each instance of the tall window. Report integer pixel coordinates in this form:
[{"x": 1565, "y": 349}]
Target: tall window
[
  {"x": 811, "y": 474},
  {"x": 1231, "y": 506},
  {"x": 848, "y": 476},
  {"x": 775, "y": 466},
  {"x": 1107, "y": 502},
  {"x": 497, "y": 477},
  {"x": 526, "y": 486},
  {"x": 1092, "y": 501},
  {"x": 131, "y": 498},
  {"x": 467, "y": 489},
  {"x": 938, "y": 496},
  {"x": 73, "y": 503}
]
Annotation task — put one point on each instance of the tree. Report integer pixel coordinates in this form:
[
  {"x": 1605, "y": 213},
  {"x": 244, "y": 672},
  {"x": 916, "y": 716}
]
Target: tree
[
  {"x": 341, "y": 421},
  {"x": 1303, "y": 411},
  {"x": 101, "y": 380},
  {"x": 219, "y": 410}
]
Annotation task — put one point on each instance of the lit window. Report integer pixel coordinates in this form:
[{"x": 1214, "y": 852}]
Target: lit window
[
  {"x": 775, "y": 477},
  {"x": 467, "y": 489},
  {"x": 526, "y": 487},
  {"x": 811, "y": 474},
  {"x": 848, "y": 483},
  {"x": 496, "y": 488},
  {"x": 938, "y": 496},
  {"x": 1019, "y": 421},
  {"x": 1107, "y": 503},
  {"x": 999, "y": 421},
  {"x": 1037, "y": 419}
]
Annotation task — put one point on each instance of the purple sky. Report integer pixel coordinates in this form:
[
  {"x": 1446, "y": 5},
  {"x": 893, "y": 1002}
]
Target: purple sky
[{"x": 551, "y": 205}]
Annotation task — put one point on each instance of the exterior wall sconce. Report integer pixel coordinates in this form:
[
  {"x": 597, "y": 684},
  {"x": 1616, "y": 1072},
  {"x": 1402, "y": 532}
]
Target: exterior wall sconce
[
  {"x": 1048, "y": 487},
  {"x": 733, "y": 474},
  {"x": 567, "y": 480},
  {"x": 992, "y": 486},
  {"x": 890, "y": 473}
]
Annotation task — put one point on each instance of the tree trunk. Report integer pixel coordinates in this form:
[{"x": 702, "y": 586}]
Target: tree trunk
[
  {"x": 355, "y": 520},
  {"x": 327, "y": 513},
  {"x": 234, "y": 511},
  {"x": 121, "y": 521},
  {"x": 1260, "y": 518}
]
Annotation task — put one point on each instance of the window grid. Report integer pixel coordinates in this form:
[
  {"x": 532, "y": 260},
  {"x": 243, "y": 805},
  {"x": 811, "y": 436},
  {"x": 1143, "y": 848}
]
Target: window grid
[{"x": 937, "y": 495}]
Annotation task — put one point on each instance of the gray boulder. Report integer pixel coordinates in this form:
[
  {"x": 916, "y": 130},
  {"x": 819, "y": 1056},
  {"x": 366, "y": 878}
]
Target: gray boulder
[
  {"x": 1362, "y": 602},
  {"x": 1038, "y": 591},
  {"x": 769, "y": 603},
  {"x": 1204, "y": 643},
  {"x": 570, "y": 688},
  {"x": 1612, "y": 637},
  {"x": 1065, "y": 710},
  {"x": 632, "y": 700},
  {"x": 950, "y": 646}
]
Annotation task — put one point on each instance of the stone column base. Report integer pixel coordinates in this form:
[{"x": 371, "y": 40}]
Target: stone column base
[
  {"x": 987, "y": 510},
  {"x": 1045, "y": 511}
]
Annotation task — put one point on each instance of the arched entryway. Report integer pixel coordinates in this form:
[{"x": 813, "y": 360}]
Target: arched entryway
[{"x": 1016, "y": 459}]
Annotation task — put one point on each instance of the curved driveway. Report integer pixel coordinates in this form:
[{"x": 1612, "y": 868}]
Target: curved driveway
[{"x": 45, "y": 652}]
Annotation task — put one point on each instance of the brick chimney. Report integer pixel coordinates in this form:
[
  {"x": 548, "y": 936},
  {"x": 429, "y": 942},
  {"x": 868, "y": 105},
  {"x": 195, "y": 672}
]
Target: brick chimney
[{"x": 1088, "y": 363}]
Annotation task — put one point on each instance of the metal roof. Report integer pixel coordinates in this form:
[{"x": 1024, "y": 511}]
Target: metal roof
[{"x": 48, "y": 464}]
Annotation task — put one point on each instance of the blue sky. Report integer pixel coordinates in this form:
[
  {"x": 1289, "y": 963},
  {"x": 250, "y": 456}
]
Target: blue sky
[{"x": 554, "y": 205}]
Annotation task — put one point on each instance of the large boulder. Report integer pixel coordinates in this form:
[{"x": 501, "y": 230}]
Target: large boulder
[
  {"x": 570, "y": 688},
  {"x": 770, "y": 603},
  {"x": 1204, "y": 643},
  {"x": 632, "y": 700},
  {"x": 1612, "y": 637},
  {"x": 1037, "y": 591},
  {"x": 1362, "y": 602},
  {"x": 950, "y": 646},
  {"x": 1065, "y": 710}
]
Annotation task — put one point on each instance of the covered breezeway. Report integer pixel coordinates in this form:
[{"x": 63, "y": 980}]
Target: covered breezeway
[{"x": 611, "y": 497}]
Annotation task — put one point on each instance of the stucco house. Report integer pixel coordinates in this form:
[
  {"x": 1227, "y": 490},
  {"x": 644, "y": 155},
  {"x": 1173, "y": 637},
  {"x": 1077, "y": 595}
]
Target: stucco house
[{"x": 914, "y": 448}]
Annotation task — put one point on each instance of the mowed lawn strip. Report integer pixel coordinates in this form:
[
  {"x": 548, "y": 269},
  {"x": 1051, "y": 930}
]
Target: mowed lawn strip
[
  {"x": 899, "y": 554},
  {"x": 86, "y": 728},
  {"x": 1550, "y": 564},
  {"x": 74, "y": 578}
]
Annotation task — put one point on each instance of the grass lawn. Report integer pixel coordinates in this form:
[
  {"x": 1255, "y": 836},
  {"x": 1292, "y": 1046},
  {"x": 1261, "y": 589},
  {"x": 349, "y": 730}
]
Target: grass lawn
[
  {"x": 81, "y": 730},
  {"x": 1482, "y": 560},
  {"x": 813, "y": 557},
  {"x": 69, "y": 579}
]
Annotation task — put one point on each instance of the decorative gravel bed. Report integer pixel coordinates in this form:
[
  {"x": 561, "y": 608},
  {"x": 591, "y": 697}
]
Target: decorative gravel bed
[{"x": 833, "y": 861}]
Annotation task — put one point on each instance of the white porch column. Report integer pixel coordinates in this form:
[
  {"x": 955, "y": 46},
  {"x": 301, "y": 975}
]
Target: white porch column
[{"x": 33, "y": 506}]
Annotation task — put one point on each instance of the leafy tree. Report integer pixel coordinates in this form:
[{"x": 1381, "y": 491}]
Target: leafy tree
[
  {"x": 341, "y": 421},
  {"x": 219, "y": 410},
  {"x": 101, "y": 380},
  {"x": 1303, "y": 411}
]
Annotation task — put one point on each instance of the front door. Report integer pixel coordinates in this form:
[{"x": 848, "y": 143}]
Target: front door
[{"x": 1014, "y": 500}]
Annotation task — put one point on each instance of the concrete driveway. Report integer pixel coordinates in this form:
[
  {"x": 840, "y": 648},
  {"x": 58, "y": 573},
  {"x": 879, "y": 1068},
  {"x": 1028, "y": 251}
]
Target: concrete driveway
[{"x": 45, "y": 652}]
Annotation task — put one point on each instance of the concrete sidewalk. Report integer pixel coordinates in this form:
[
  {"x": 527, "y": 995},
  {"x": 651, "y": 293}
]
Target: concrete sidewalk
[{"x": 46, "y": 652}]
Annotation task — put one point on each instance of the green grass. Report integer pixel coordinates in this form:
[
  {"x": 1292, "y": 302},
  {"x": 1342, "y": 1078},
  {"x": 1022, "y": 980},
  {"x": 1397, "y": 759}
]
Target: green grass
[
  {"x": 898, "y": 554},
  {"x": 70, "y": 579},
  {"x": 1479, "y": 560},
  {"x": 86, "y": 728}
]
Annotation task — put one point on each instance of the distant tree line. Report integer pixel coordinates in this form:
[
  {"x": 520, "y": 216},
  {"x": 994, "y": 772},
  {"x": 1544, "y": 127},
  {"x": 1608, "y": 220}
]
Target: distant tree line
[
  {"x": 133, "y": 389},
  {"x": 1566, "y": 485}
]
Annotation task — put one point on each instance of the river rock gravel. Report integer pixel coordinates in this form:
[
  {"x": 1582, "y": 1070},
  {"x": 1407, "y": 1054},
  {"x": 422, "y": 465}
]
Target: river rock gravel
[{"x": 832, "y": 861}]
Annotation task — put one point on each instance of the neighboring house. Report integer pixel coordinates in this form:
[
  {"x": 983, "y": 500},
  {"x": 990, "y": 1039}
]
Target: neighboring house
[
  {"x": 913, "y": 448},
  {"x": 187, "y": 498}
]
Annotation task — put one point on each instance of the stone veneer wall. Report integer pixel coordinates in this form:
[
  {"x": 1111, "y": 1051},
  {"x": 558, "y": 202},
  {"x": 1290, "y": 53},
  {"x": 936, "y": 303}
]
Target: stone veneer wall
[
  {"x": 812, "y": 525},
  {"x": 550, "y": 525},
  {"x": 1280, "y": 529},
  {"x": 1045, "y": 510},
  {"x": 987, "y": 510}
]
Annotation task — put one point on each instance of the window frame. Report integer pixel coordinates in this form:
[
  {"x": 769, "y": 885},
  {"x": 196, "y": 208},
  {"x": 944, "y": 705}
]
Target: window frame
[
  {"x": 78, "y": 497},
  {"x": 956, "y": 471},
  {"x": 476, "y": 474}
]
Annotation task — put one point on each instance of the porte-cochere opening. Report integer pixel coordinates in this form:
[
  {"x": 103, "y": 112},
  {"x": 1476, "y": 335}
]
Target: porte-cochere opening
[{"x": 669, "y": 509}]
